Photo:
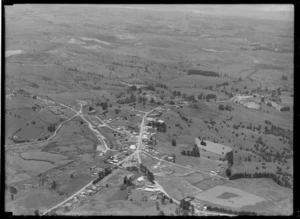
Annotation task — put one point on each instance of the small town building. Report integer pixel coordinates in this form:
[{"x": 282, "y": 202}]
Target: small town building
[
  {"x": 132, "y": 147},
  {"x": 153, "y": 197},
  {"x": 140, "y": 179}
]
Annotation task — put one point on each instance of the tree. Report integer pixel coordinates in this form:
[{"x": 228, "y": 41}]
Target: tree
[
  {"x": 183, "y": 152},
  {"x": 221, "y": 107},
  {"x": 284, "y": 77},
  {"x": 13, "y": 190},
  {"x": 125, "y": 180},
  {"x": 36, "y": 212},
  {"x": 174, "y": 142},
  {"x": 157, "y": 206},
  {"x": 53, "y": 184},
  {"x": 228, "y": 172},
  {"x": 51, "y": 128},
  {"x": 229, "y": 157},
  {"x": 150, "y": 176},
  {"x": 161, "y": 213}
]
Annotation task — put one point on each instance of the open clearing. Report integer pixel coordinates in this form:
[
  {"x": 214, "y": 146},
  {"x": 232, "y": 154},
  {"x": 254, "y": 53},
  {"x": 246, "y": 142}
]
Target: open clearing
[
  {"x": 12, "y": 52},
  {"x": 213, "y": 147},
  {"x": 42, "y": 156}
]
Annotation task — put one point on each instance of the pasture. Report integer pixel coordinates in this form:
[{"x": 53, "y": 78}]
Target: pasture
[
  {"x": 177, "y": 187},
  {"x": 229, "y": 197},
  {"x": 213, "y": 147}
]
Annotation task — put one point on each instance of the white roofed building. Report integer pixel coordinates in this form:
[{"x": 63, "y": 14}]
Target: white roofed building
[{"x": 132, "y": 147}]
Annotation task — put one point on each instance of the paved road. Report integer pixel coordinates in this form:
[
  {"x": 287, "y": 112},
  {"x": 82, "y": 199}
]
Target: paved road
[{"x": 139, "y": 142}]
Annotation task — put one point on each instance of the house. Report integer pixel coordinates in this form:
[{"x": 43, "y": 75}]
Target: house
[
  {"x": 140, "y": 179},
  {"x": 132, "y": 147},
  {"x": 153, "y": 197}
]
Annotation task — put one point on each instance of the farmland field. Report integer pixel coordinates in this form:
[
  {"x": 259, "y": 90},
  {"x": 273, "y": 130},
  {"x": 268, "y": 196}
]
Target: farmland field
[
  {"x": 82, "y": 82},
  {"x": 238, "y": 197}
]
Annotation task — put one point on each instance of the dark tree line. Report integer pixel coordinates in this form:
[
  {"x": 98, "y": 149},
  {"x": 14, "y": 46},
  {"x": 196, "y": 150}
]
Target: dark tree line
[
  {"x": 147, "y": 173},
  {"x": 228, "y": 211},
  {"x": 229, "y": 158},
  {"x": 176, "y": 93},
  {"x": 161, "y": 127},
  {"x": 225, "y": 107},
  {"x": 194, "y": 152},
  {"x": 273, "y": 176},
  {"x": 102, "y": 174}
]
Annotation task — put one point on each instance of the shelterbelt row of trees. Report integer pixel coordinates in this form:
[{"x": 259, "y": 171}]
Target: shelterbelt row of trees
[{"x": 273, "y": 176}]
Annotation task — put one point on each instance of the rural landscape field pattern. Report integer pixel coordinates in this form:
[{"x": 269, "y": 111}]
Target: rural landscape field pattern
[{"x": 148, "y": 110}]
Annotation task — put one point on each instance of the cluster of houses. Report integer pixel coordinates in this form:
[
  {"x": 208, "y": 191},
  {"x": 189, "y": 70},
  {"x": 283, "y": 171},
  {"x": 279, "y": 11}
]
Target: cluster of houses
[
  {"x": 117, "y": 157},
  {"x": 89, "y": 191}
]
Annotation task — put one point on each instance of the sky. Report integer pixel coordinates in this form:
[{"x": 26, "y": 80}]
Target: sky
[{"x": 283, "y": 12}]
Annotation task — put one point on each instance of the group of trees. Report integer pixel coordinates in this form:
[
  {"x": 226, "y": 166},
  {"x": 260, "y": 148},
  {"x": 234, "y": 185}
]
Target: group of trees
[
  {"x": 51, "y": 128},
  {"x": 222, "y": 84},
  {"x": 127, "y": 100},
  {"x": 273, "y": 176},
  {"x": 173, "y": 142},
  {"x": 191, "y": 98},
  {"x": 102, "y": 174},
  {"x": 147, "y": 173},
  {"x": 185, "y": 207},
  {"x": 229, "y": 158},
  {"x": 194, "y": 152},
  {"x": 176, "y": 93},
  {"x": 225, "y": 107},
  {"x": 228, "y": 211},
  {"x": 53, "y": 185},
  {"x": 211, "y": 96},
  {"x": 127, "y": 181},
  {"x": 204, "y": 73},
  {"x": 161, "y": 127},
  {"x": 278, "y": 131},
  {"x": 104, "y": 105},
  {"x": 150, "y": 87},
  {"x": 161, "y": 85}
]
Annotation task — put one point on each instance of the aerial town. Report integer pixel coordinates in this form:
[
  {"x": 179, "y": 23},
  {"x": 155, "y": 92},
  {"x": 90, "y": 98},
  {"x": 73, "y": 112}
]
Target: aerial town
[{"x": 155, "y": 114}]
